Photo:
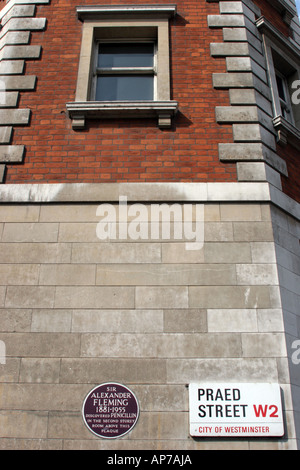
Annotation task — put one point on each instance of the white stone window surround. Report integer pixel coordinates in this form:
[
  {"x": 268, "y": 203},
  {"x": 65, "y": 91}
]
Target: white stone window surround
[
  {"x": 121, "y": 22},
  {"x": 276, "y": 43}
]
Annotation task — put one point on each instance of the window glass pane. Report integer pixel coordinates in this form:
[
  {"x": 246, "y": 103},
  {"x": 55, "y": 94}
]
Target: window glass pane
[
  {"x": 280, "y": 86},
  {"x": 125, "y": 55},
  {"x": 124, "y": 88}
]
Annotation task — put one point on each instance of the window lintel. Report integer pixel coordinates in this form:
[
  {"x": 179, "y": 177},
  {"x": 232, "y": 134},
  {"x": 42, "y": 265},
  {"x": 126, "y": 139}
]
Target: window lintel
[{"x": 97, "y": 12}]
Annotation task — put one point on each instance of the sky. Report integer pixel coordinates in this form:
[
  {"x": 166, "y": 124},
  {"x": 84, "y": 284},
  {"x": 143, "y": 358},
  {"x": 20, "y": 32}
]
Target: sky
[{"x": 298, "y": 5}]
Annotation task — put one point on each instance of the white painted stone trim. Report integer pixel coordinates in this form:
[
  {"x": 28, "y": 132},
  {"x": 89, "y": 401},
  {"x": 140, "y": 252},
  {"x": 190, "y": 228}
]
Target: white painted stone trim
[{"x": 149, "y": 192}]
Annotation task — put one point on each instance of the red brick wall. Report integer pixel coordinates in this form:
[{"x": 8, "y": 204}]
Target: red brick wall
[
  {"x": 123, "y": 150},
  {"x": 291, "y": 184}
]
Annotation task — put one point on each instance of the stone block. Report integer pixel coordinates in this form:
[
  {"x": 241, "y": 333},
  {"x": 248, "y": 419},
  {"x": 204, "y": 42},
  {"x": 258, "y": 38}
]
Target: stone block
[
  {"x": 231, "y": 320},
  {"x": 229, "y": 49},
  {"x": 154, "y": 425},
  {"x": 161, "y": 297},
  {"x": 225, "y": 21},
  {"x": 19, "y": 213},
  {"x": 251, "y": 152},
  {"x": 229, "y": 297},
  {"x": 114, "y": 321},
  {"x": 11, "y": 67},
  {"x": 42, "y": 395},
  {"x": 160, "y": 345},
  {"x": 94, "y": 297},
  {"x": 37, "y": 345},
  {"x": 15, "y": 37},
  {"x": 264, "y": 345},
  {"x": 123, "y": 370},
  {"x": 35, "y": 253},
  {"x": 19, "y": 274},
  {"x": 10, "y": 371},
  {"x": 227, "y": 370},
  {"x": 52, "y": 321},
  {"x": 233, "y": 80},
  {"x": 263, "y": 252},
  {"x": 14, "y": 117},
  {"x": 232, "y": 114},
  {"x": 165, "y": 275},
  {"x": 8, "y": 99},
  {"x": 40, "y": 370},
  {"x": 184, "y": 320},
  {"x": 60, "y": 424},
  {"x": 31, "y": 424},
  {"x": 2, "y": 296},
  {"x": 218, "y": 231},
  {"x": 25, "y": 24},
  {"x": 15, "y": 320},
  {"x": 29, "y": 297},
  {"x": 5, "y": 134},
  {"x": 231, "y": 7},
  {"x": 252, "y": 133},
  {"x": 71, "y": 213},
  {"x": 238, "y": 64},
  {"x": 240, "y": 96},
  {"x": 116, "y": 253},
  {"x": 177, "y": 253},
  {"x": 81, "y": 232},
  {"x": 67, "y": 274},
  {"x": 2, "y": 173},
  {"x": 11, "y": 153},
  {"x": 161, "y": 397},
  {"x": 20, "y": 52},
  {"x": 18, "y": 82},
  {"x": 240, "y": 212},
  {"x": 228, "y": 252},
  {"x": 270, "y": 320},
  {"x": 19, "y": 11},
  {"x": 235, "y": 34},
  {"x": 256, "y": 171},
  {"x": 257, "y": 274},
  {"x": 253, "y": 231},
  {"x": 30, "y": 232}
]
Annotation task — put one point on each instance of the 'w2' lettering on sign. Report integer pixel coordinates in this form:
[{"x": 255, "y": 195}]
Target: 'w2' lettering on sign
[{"x": 262, "y": 411}]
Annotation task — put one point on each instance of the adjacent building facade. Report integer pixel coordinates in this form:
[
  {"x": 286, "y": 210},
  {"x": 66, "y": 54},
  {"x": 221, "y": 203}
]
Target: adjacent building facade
[{"x": 149, "y": 217}]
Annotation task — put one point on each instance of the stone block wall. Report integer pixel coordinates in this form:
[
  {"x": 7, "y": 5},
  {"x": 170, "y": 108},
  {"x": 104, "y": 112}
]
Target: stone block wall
[
  {"x": 286, "y": 236},
  {"x": 77, "y": 311}
]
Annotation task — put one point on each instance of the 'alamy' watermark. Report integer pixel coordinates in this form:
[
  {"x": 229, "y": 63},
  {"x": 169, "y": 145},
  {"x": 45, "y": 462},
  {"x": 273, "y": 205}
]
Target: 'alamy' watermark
[
  {"x": 2, "y": 353},
  {"x": 296, "y": 94},
  {"x": 296, "y": 354},
  {"x": 184, "y": 222}
]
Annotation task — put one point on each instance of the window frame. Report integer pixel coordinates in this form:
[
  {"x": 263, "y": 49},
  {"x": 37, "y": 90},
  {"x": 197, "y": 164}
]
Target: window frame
[
  {"x": 284, "y": 105},
  {"x": 123, "y": 23}
]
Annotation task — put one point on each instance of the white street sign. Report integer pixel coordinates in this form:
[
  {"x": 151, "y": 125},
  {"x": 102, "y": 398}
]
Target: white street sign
[{"x": 235, "y": 410}]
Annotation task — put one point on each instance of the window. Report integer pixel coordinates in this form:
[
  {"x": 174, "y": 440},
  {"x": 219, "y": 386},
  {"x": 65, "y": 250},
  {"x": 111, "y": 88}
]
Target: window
[
  {"x": 283, "y": 67},
  {"x": 284, "y": 97},
  {"x": 124, "y": 71},
  {"x": 124, "y": 64}
]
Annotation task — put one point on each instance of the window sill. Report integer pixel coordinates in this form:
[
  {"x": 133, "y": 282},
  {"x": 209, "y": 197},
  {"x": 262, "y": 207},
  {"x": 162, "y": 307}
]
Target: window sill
[
  {"x": 286, "y": 132},
  {"x": 164, "y": 111}
]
